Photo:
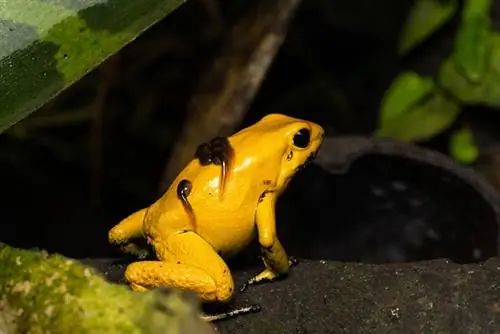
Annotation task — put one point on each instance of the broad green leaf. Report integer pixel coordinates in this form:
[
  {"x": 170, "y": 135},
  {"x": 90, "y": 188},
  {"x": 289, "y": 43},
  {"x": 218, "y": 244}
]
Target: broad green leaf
[
  {"x": 472, "y": 42},
  {"x": 463, "y": 147},
  {"x": 46, "y": 45},
  {"x": 407, "y": 89},
  {"x": 426, "y": 17},
  {"x": 487, "y": 91},
  {"x": 422, "y": 121}
]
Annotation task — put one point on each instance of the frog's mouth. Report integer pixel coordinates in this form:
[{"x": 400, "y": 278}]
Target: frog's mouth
[
  {"x": 301, "y": 167},
  {"x": 309, "y": 159}
]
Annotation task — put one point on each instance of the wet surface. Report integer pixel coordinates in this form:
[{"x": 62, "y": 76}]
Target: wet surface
[{"x": 332, "y": 297}]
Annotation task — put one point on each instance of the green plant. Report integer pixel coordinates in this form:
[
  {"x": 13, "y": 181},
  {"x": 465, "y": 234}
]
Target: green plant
[
  {"x": 48, "y": 45},
  {"x": 417, "y": 108}
]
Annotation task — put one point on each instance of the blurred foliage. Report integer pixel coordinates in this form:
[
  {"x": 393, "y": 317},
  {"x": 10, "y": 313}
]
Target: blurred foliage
[
  {"x": 422, "y": 107},
  {"x": 472, "y": 41},
  {"x": 426, "y": 17},
  {"x": 405, "y": 91},
  {"x": 48, "y": 45},
  {"x": 486, "y": 91},
  {"x": 463, "y": 147},
  {"x": 414, "y": 109}
]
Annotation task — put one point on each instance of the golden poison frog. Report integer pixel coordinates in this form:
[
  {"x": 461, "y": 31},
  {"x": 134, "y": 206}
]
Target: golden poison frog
[{"x": 215, "y": 207}]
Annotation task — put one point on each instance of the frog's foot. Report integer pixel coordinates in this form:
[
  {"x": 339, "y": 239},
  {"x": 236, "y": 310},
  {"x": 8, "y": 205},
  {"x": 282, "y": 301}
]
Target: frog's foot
[
  {"x": 146, "y": 275},
  {"x": 292, "y": 261},
  {"x": 202, "y": 271},
  {"x": 231, "y": 314},
  {"x": 265, "y": 276},
  {"x": 138, "y": 288}
]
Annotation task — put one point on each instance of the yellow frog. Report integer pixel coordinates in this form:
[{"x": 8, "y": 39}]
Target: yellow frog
[{"x": 215, "y": 207}]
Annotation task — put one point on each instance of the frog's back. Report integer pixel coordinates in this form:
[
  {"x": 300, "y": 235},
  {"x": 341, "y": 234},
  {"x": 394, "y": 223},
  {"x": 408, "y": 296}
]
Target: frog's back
[
  {"x": 254, "y": 164},
  {"x": 207, "y": 201},
  {"x": 207, "y": 196},
  {"x": 226, "y": 222}
]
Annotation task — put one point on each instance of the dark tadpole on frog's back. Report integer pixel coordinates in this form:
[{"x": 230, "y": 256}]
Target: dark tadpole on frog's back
[
  {"x": 218, "y": 152},
  {"x": 183, "y": 191}
]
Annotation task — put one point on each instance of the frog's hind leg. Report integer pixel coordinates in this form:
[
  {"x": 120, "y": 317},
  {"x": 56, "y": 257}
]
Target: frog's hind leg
[{"x": 188, "y": 262}]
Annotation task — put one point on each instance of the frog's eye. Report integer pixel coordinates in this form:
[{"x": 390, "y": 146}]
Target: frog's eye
[{"x": 302, "y": 138}]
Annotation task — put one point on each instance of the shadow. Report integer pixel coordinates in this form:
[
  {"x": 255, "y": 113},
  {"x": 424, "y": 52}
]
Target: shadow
[
  {"x": 379, "y": 207},
  {"x": 343, "y": 60}
]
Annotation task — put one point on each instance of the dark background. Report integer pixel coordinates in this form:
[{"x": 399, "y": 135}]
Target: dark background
[{"x": 337, "y": 61}]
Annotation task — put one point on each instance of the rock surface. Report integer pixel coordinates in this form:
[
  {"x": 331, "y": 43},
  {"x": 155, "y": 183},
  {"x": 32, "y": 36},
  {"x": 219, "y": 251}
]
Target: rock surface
[{"x": 435, "y": 296}]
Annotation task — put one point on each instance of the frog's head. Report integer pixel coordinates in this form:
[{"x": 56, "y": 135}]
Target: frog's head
[{"x": 290, "y": 144}]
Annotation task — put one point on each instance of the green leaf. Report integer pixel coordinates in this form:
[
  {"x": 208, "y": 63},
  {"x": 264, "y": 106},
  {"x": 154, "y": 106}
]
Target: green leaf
[
  {"x": 425, "y": 18},
  {"x": 47, "y": 45},
  {"x": 487, "y": 91},
  {"x": 407, "y": 89},
  {"x": 472, "y": 42},
  {"x": 422, "y": 121},
  {"x": 463, "y": 147}
]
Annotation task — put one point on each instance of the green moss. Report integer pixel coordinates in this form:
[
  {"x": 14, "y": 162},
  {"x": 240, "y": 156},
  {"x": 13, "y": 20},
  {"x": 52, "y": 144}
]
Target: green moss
[{"x": 41, "y": 293}]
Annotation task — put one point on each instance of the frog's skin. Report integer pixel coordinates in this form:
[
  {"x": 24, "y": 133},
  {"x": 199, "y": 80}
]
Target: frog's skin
[{"x": 215, "y": 207}]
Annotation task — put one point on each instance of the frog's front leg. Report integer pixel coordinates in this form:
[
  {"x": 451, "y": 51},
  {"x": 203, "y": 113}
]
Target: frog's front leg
[
  {"x": 126, "y": 231},
  {"x": 276, "y": 261}
]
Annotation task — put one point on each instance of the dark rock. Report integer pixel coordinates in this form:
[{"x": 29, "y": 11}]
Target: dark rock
[{"x": 332, "y": 297}]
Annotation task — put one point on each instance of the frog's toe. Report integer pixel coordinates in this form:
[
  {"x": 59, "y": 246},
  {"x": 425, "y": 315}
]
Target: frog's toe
[
  {"x": 137, "y": 287},
  {"x": 264, "y": 276},
  {"x": 233, "y": 313},
  {"x": 292, "y": 261},
  {"x": 243, "y": 287}
]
